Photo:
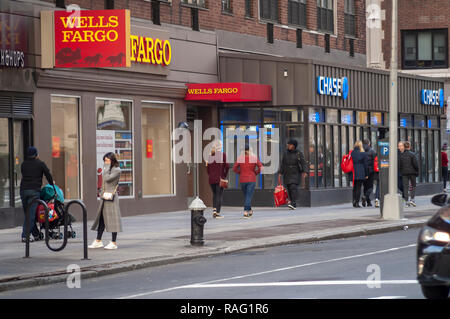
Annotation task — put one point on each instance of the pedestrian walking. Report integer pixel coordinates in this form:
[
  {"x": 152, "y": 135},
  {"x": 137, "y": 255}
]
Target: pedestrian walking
[
  {"x": 400, "y": 150},
  {"x": 444, "y": 164},
  {"x": 376, "y": 177},
  {"x": 360, "y": 171},
  {"x": 33, "y": 170},
  {"x": 368, "y": 183},
  {"x": 247, "y": 166},
  {"x": 293, "y": 166},
  {"x": 108, "y": 214},
  {"x": 409, "y": 168},
  {"x": 217, "y": 168}
]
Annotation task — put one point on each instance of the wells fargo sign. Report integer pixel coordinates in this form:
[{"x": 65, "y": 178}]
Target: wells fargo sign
[
  {"x": 86, "y": 38},
  {"x": 150, "y": 50},
  {"x": 229, "y": 92}
]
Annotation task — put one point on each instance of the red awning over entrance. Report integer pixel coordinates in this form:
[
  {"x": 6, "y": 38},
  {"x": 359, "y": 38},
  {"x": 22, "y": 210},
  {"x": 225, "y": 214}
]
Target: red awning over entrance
[{"x": 229, "y": 92}]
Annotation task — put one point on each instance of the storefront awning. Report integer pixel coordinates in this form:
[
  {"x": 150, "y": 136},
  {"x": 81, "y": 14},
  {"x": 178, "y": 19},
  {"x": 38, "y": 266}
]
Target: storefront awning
[{"x": 229, "y": 92}]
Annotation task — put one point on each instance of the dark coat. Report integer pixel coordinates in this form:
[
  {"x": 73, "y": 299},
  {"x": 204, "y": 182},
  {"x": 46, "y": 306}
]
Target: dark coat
[
  {"x": 217, "y": 169},
  {"x": 290, "y": 168},
  {"x": 408, "y": 164},
  {"x": 360, "y": 165},
  {"x": 110, "y": 209},
  {"x": 371, "y": 154}
]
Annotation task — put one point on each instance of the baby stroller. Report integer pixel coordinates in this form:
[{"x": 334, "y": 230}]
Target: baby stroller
[{"x": 55, "y": 203}]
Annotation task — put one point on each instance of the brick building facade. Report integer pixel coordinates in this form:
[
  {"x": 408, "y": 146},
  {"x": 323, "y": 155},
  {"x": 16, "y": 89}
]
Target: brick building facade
[{"x": 240, "y": 26}]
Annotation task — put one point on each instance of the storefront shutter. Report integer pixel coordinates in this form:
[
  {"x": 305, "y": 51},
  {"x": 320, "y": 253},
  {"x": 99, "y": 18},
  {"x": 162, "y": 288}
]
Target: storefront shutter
[
  {"x": 5, "y": 105},
  {"x": 22, "y": 105}
]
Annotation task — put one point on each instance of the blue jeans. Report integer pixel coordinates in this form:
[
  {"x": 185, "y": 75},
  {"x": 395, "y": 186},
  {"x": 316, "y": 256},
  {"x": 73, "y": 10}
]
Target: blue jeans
[
  {"x": 27, "y": 197},
  {"x": 249, "y": 190}
]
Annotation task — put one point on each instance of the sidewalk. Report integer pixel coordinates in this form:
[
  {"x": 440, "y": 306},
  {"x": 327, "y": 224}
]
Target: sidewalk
[{"x": 164, "y": 238}]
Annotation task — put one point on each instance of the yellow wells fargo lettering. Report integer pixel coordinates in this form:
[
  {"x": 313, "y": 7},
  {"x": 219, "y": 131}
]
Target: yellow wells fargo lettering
[
  {"x": 149, "y": 50},
  {"x": 77, "y": 24}
]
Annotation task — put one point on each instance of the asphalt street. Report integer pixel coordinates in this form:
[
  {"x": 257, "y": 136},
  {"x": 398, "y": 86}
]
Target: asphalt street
[{"x": 379, "y": 267}]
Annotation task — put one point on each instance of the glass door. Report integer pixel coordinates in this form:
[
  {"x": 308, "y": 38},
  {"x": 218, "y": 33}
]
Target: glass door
[
  {"x": 18, "y": 138},
  {"x": 4, "y": 164}
]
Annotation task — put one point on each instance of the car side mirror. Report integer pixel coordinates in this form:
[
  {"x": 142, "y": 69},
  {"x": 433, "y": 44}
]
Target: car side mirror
[{"x": 439, "y": 200}]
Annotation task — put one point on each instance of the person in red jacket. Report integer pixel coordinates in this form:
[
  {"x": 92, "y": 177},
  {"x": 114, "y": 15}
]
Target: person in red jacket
[
  {"x": 444, "y": 162},
  {"x": 247, "y": 166},
  {"x": 217, "y": 168}
]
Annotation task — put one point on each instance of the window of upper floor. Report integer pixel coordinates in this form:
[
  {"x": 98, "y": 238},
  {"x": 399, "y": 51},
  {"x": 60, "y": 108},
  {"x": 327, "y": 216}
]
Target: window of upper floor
[
  {"x": 325, "y": 16},
  {"x": 297, "y": 12},
  {"x": 350, "y": 17},
  {"x": 425, "y": 49},
  {"x": 268, "y": 10},
  {"x": 197, "y": 3}
]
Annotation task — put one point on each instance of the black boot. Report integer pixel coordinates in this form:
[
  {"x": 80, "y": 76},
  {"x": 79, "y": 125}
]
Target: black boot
[{"x": 369, "y": 204}]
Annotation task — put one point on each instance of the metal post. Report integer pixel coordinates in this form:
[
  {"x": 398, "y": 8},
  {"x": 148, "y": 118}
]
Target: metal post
[
  {"x": 27, "y": 231},
  {"x": 85, "y": 239},
  {"x": 392, "y": 208}
]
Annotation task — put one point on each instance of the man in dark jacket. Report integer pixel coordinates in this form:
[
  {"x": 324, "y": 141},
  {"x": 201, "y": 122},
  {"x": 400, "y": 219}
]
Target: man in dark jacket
[
  {"x": 33, "y": 170},
  {"x": 292, "y": 165},
  {"x": 409, "y": 169},
  {"x": 368, "y": 183}
]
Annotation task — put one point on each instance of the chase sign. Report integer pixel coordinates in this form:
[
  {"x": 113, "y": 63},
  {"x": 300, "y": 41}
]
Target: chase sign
[
  {"x": 432, "y": 97},
  {"x": 332, "y": 86}
]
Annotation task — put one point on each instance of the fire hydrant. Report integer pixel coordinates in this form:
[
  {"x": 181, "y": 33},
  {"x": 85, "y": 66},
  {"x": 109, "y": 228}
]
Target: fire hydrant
[{"x": 197, "y": 221}]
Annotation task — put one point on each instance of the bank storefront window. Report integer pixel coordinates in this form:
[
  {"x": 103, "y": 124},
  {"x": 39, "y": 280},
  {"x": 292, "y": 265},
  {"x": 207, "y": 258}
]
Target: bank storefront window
[
  {"x": 65, "y": 166},
  {"x": 115, "y": 134},
  {"x": 157, "y": 164},
  {"x": 247, "y": 125}
]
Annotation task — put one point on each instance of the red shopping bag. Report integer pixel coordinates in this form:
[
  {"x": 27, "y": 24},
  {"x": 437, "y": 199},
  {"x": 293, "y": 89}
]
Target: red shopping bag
[
  {"x": 40, "y": 213},
  {"x": 347, "y": 163},
  {"x": 280, "y": 194}
]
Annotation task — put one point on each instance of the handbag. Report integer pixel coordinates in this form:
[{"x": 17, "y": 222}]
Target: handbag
[
  {"x": 109, "y": 196},
  {"x": 280, "y": 194},
  {"x": 223, "y": 183},
  {"x": 347, "y": 163}
]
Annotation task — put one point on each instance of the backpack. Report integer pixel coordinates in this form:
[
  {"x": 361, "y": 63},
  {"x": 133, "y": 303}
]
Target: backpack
[{"x": 347, "y": 163}]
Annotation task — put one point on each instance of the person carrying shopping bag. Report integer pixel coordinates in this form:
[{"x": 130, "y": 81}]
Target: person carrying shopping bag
[
  {"x": 293, "y": 165},
  {"x": 217, "y": 168},
  {"x": 360, "y": 171},
  {"x": 108, "y": 214},
  {"x": 247, "y": 166}
]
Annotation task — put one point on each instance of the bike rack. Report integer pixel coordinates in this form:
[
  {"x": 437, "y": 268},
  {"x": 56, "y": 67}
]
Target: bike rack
[{"x": 66, "y": 222}]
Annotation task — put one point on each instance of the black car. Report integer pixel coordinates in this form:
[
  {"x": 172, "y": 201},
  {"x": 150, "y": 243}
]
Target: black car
[{"x": 433, "y": 252}]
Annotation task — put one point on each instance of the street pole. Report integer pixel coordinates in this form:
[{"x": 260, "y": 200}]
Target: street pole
[{"x": 393, "y": 208}]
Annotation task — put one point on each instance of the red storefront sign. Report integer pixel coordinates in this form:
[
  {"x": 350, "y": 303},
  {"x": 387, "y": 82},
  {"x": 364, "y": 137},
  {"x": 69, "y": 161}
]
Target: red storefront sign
[
  {"x": 92, "y": 38},
  {"x": 229, "y": 92}
]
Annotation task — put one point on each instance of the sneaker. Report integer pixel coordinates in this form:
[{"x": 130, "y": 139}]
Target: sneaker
[
  {"x": 24, "y": 240},
  {"x": 408, "y": 204},
  {"x": 291, "y": 206},
  {"x": 363, "y": 201},
  {"x": 377, "y": 203},
  {"x": 111, "y": 246},
  {"x": 247, "y": 214},
  {"x": 96, "y": 244},
  {"x": 412, "y": 203},
  {"x": 217, "y": 215}
]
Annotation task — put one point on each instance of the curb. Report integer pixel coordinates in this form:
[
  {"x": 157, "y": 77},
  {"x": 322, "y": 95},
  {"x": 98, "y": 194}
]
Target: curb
[{"x": 88, "y": 272}]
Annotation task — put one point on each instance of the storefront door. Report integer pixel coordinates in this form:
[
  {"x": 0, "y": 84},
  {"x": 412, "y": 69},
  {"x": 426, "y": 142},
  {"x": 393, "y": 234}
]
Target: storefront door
[{"x": 14, "y": 139}]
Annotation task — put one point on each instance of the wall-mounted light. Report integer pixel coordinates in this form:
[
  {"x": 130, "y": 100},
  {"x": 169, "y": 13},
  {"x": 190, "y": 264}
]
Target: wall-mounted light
[{"x": 285, "y": 73}]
